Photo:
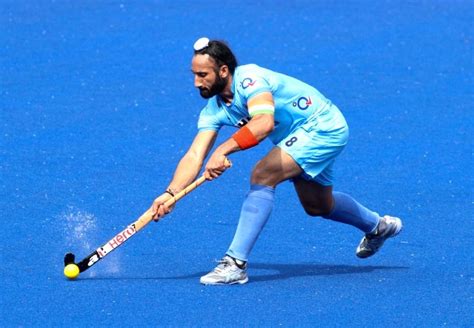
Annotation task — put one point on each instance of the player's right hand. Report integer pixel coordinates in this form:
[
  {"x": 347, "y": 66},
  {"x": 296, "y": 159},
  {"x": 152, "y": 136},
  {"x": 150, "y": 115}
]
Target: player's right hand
[
  {"x": 159, "y": 208},
  {"x": 216, "y": 165}
]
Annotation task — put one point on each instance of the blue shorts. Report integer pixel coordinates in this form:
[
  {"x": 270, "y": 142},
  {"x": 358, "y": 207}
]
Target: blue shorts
[{"x": 315, "y": 144}]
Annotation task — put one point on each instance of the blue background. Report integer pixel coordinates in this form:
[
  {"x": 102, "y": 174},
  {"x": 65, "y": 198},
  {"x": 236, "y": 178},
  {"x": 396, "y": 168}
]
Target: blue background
[{"x": 97, "y": 105}]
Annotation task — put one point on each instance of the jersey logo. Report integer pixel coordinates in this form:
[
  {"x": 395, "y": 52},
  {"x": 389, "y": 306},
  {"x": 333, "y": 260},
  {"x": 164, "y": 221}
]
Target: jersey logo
[
  {"x": 243, "y": 121},
  {"x": 247, "y": 82},
  {"x": 303, "y": 103}
]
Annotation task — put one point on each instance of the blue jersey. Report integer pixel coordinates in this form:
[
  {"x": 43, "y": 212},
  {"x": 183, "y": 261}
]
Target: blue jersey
[{"x": 295, "y": 101}]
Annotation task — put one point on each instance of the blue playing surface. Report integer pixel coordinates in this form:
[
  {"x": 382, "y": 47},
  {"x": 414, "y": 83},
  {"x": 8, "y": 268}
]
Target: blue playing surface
[{"x": 97, "y": 105}]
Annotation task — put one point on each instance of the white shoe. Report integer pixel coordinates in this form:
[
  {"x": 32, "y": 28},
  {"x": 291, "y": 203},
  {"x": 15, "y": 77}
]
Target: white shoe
[
  {"x": 227, "y": 272},
  {"x": 388, "y": 227}
]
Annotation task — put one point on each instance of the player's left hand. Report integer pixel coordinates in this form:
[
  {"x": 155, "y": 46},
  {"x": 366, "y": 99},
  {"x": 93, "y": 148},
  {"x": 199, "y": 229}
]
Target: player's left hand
[
  {"x": 159, "y": 209},
  {"x": 216, "y": 165}
]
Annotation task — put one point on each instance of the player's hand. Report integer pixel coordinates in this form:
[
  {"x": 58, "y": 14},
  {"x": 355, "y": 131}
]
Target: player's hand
[
  {"x": 216, "y": 165},
  {"x": 159, "y": 208}
]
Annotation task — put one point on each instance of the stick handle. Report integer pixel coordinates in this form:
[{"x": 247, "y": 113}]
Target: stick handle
[
  {"x": 186, "y": 191},
  {"x": 148, "y": 215}
]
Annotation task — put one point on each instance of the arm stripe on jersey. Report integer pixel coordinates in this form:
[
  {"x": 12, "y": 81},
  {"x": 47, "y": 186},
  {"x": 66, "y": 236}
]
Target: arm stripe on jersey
[
  {"x": 262, "y": 112},
  {"x": 261, "y": 109}
]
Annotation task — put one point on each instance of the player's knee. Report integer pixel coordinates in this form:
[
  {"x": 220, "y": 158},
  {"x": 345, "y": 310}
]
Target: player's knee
[
  {"x": 319, "y": 210},
  {"x": 260, "y": 175}
]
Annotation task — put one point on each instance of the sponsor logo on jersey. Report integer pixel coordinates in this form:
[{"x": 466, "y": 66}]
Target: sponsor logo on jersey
[
  {"x": 303, "y": 103},
  {"x": 247, "y": 82}
]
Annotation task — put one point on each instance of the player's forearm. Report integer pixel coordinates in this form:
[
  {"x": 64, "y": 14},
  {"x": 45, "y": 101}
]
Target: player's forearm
[
  {"x": 186, "y": 172},
  {"x": 227, "y": 147},
  {"x": 189, "y": 166}
]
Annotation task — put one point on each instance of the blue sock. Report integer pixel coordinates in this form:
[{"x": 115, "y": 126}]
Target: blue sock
[
  {"x": 348, "y": 210},
  {"x": 255, "y": 212}
]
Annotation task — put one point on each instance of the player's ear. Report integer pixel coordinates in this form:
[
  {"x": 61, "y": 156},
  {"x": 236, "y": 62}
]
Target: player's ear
[{"x": 224, "y": 71}]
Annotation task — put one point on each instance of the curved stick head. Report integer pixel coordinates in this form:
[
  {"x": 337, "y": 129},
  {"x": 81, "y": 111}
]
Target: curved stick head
[{"x": 69, "y": 258}]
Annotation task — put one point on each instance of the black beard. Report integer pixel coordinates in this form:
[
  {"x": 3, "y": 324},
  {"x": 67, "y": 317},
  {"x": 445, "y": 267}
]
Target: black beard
[{"x": 215, "y": 89}]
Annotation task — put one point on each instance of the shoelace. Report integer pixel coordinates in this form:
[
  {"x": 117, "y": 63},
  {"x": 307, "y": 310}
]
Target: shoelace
[{"x": 223, "y": 264}]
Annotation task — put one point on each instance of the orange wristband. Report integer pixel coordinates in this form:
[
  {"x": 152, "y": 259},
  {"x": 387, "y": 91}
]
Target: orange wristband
[{"x": 245, "y": 138}]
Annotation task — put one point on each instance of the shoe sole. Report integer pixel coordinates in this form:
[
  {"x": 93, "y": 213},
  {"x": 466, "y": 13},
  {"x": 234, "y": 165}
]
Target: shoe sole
[{"x": 240, "y": 282}]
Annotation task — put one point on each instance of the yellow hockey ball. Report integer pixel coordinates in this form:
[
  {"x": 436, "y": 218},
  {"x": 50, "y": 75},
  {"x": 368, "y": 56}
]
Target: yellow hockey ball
[{"x": 71, "y": 271}]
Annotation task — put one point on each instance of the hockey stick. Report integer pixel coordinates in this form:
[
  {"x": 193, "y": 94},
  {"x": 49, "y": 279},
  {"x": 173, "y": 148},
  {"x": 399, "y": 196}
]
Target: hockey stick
[{"x": 128, "y": 232}]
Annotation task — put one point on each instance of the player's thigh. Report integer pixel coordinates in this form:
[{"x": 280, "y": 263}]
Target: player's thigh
[
  {"x": 314, "y": 146},
  {"x": 275, "y": 167},
  {"x": 316, "y": 198}
]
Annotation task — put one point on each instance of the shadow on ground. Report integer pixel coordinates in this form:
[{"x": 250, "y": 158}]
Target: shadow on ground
[{"x": 278, "y": 272}]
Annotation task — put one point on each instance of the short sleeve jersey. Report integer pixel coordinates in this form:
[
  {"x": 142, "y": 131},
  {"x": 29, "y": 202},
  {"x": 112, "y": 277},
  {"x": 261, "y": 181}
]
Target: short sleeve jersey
[{"x": 294, "y": 100}]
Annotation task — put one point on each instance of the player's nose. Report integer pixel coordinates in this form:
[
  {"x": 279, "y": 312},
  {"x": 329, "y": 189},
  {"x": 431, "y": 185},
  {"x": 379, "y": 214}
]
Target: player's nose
[{"x": 197, "y": 82}]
